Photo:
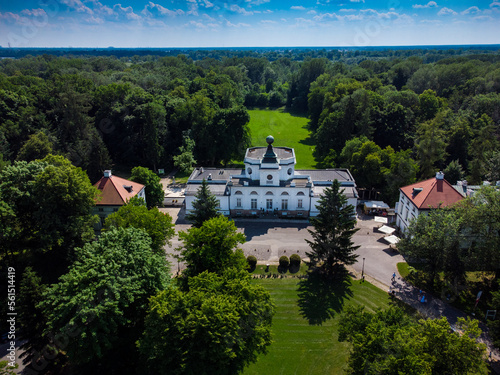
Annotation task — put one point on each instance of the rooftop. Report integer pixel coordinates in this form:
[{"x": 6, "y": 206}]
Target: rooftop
[
  {"x": 432, "y": 193},
  {"x": 116, "y": 191}
]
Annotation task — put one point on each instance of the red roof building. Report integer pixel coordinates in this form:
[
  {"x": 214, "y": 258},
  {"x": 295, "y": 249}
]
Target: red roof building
[
  {"x": 424, "y": 196},
  {"x": 115, "y": 192}
]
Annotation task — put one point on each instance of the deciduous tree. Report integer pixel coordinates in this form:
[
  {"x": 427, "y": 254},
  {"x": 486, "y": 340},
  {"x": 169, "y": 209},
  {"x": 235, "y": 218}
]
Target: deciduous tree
[
  {"x": 213, "y": 247},
  {"x": 218, "y": 326},
  {"x": 151, "y": 181},
  {"x": 100, "y": 304},
  {"x": 389, "y": 342},
  {"x": 156, "y": 224}
]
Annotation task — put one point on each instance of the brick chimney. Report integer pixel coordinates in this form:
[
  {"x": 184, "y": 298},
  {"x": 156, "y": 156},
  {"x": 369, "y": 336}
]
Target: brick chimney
[{"x": 440, "y": 176}]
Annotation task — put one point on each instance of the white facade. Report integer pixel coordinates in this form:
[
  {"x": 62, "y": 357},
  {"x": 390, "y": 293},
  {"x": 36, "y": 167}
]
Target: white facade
[
  {"x": 269, "y": 184},
  {"x": 406, "y": 211}
]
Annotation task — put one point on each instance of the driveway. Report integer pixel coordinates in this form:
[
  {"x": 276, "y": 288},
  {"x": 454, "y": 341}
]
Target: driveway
[{"x": 268, "y": 240}]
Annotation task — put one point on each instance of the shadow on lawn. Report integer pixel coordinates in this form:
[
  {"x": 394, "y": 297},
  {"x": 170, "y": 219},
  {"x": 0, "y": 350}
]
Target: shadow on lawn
[{"x": 320, "y": 297}]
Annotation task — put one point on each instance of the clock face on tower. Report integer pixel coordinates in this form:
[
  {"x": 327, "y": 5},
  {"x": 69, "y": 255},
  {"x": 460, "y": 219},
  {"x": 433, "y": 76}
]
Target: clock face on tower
[{"x": 269, "y": 176}]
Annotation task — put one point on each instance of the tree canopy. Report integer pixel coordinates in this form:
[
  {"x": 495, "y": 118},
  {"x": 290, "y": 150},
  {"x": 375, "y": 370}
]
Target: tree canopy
[
  {"x": 217, "y": 326},
  {"x": 205, "y": 206},
  {"x": 390, "y": 342},
  {"x": 98, "y": 307},
  {"x": 46, "y": 206},
  {"x": 213, "y": 247},
  {"x": 332, "y": 247},
  {"x": 153, "y": 187},
  {"x": 156, "y": 224}
]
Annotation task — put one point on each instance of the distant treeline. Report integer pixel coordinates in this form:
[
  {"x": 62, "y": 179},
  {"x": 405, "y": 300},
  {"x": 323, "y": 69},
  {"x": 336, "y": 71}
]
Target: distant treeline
[
  {"x": 391, "y": 116},
  {"x": 432, "y": 53}
]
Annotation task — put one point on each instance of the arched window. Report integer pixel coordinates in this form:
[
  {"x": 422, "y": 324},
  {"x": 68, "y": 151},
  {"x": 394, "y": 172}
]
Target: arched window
[
  {"x": 285, "y": 193},
  {"x": 269, "y": 193},
  {"x": 300, "y": 193},
  {"x": 254, "y": 193},
  {"x": 238, "y": 193}
]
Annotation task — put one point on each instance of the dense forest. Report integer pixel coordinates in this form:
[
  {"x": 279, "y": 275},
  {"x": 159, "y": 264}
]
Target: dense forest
[{"x": 392, "y": 117}]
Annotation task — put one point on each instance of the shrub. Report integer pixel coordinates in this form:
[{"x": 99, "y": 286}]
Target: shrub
[
  {"x": 284, "y": 261},
  {"x": 252, "y": 261},
  {"x": 295, "y": 260}
]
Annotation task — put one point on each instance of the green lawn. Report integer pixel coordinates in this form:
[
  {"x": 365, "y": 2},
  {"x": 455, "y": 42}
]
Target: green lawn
[
  {"x": 300, "y": 347},
  {"x": 287, "y": 130}
]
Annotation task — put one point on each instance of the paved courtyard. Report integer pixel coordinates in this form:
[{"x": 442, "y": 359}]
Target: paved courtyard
[{"x": 269, "y": 240}]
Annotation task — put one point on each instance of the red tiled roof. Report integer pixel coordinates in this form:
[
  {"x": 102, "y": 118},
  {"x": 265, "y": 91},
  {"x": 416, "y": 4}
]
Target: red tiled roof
[
  {"x": 113, "y": 191},
  {"x": 434, "y": 192}
]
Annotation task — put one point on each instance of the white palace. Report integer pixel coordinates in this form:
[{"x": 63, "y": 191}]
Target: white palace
[{"x": 269, "y": 185}]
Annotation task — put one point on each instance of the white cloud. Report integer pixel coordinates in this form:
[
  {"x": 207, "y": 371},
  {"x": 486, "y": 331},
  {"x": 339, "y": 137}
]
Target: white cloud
[
  {"x": 312, "y": 11},
  {"x": 268, "y": 22},
  {"x": 447, "y": 12},
  {"x": 34, "y": 12},
  {"x": 236, "y": 8},
  {"x": 357, "y": 1},
  {"x": 347, "y": 10},
  {"x": 161, "y": 10},
  {"x": 256, "y": 2},
  {"x": 13, "y": 17},
  {"x": 483, "y": 18},
  {"x": 471, "y": 10},
  {"x": 430, "y": 4},
  {"x": 297, "y": 7},
  {"x": 77, "y": 5},
  {"x": 127, "y": 12},
  {"x": 237, "y": 25}
]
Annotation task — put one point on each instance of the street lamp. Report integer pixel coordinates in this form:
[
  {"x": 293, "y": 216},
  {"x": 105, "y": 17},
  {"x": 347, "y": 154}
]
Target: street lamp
[{"x": 363, "y": 270}]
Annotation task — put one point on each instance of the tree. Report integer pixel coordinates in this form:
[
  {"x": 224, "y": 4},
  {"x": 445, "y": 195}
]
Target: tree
[
  {"x": 402, "y": 172},
  {"x": 134, "y": 214},
  {"x": 204, "y": 206},
  {"x": 217, "y": 326},
  {"x": 332, "y": 246},
  {"x": 46, "y": 212},
  {"x": 431, "y": 147},
  {"x": 185, "y": 160},
  {"x": 454, "y": 172},
  {"x": 33, "y": 319},
  {"x": 151, "y": 181},
  {"x": 213, "y": 247},
  {"x": 98, "y": 307},
  {"x": 390, "y": 342},
  {"x": 434, "y": 239},
  {"x": 37, "y": 146}
]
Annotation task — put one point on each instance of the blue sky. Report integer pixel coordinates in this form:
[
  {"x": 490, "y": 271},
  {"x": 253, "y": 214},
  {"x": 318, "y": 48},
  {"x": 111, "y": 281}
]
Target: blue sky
[{"x": 216, "y": 23}]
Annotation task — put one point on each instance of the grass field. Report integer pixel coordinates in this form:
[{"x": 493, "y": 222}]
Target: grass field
[
  {"x": 287, "y": 130},
  {"x": 301, "y": 347}
]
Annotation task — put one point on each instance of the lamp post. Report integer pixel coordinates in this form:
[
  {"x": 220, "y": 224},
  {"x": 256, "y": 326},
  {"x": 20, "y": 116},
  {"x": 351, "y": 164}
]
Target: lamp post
[{"x": 363, "y": 270}]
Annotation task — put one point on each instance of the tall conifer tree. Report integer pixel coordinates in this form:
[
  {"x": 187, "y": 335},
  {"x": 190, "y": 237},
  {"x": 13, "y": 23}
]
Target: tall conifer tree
[
  {"x": 332, "y": 246},
  {"x": 204, "y": 207}
]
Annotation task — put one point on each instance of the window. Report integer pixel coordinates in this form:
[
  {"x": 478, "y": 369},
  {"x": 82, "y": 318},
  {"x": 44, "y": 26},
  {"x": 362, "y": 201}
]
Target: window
[
  {"x": 269, "y": 176},
  {"x": 269, "y": 204},
  {"x": 238, "y": 202},
  {"x": 253, "y": 204},
  {"x": 101, "y": 209},
  {"x": 299, "y": 203},
  {"x": 218, "y": 203},
  {"x": 284, "y": 204}
]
